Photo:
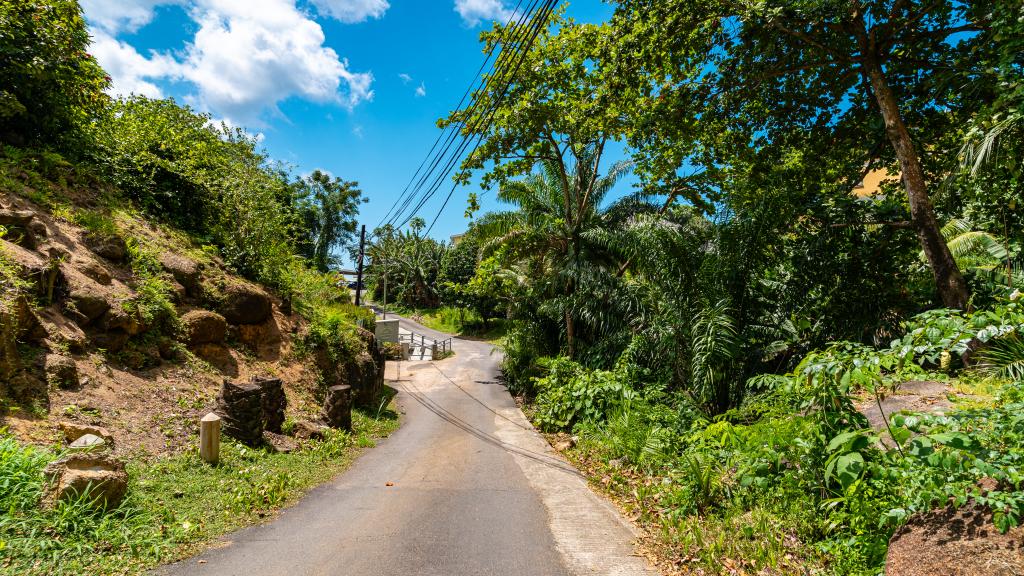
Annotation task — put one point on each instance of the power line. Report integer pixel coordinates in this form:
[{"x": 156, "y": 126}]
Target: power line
[
  {"x": 465, "y": 96},
  {"x": 519, "y": 33},
  {"x": 549, "y": 7},
  {"x": 513, "y": 53}
]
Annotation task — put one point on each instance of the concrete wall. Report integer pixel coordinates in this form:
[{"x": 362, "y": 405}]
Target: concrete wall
[{"x": 387, "y": 330}]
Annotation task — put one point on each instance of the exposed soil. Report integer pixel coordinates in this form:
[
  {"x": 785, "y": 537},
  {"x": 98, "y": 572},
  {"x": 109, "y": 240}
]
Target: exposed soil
[
  {"x": 955, "y": 543},
  {"x": 923, "y": 396},
  {"x": 150, "y": 404}
]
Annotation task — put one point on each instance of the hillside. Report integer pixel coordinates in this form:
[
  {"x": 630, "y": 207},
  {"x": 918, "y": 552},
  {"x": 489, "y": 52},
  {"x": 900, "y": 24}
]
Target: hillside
[{"x": 132, "y": 326}]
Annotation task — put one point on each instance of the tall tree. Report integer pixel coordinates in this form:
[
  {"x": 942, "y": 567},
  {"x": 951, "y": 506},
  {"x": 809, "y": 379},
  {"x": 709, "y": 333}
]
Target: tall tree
[
  {"x": 328, "y": 208},
  {"x": 834, "y": 79},
  {"x": 560, "y": 228}
]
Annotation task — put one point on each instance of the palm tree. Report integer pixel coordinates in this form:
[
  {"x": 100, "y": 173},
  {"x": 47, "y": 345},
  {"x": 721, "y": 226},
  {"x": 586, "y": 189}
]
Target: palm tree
[
  {"x": 560, "y": 232},
  {"x": 981, "y": 252}
]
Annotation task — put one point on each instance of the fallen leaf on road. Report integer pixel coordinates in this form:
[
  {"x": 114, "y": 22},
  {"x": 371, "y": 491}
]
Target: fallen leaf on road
[{"x": 390, "y": 484}]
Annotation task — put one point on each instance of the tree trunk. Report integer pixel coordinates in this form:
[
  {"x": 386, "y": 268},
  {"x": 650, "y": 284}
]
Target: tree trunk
[
  {"x": 570, "y": 334},
  {"x": 948, "y": 279}
]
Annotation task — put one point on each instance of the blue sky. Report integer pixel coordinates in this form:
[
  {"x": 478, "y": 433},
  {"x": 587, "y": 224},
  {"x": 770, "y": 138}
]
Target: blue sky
[{"x": 353, "y": 87}]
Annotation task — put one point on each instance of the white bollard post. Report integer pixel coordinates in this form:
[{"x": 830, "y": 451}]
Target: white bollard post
[{"x": 209, "y": 438}]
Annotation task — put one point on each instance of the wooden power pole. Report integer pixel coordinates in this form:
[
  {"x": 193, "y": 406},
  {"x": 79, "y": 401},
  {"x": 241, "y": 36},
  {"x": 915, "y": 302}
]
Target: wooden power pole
[{"x": 359, "y": 265}]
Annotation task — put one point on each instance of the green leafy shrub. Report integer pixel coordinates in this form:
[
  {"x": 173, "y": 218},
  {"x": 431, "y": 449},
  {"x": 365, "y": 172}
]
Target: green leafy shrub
[
  {"x": 571, "y": 393},
  {"x": 51, "y": 86},
  {"x": 177, "y": 165},
  {"x": 152, "y": 303}
]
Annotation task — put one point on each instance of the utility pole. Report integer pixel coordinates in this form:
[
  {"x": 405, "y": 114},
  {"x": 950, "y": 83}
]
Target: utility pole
[
  {"x": 385, "y": 307},
  {"x": 359, "y": 266}
]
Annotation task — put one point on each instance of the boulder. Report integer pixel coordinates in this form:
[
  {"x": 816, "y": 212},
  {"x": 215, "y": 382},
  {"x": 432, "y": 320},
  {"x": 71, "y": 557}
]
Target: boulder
[
  {"x": 86, "y": 306},
  {"x": 113, "y": 248},
  {"x": 245, "y": 304},
  {"x": 38, "y": 228},
  {"x": 87, "y": 443},
  {"x": 168, "y": 349},
  {"x": 279, "y": 443},
  {"x": 306, "y": 430},
  {"x": 100, "y": 476},
  {"x": 18, "y": 224},
  {"x": 26, "y": 388},
  {"x": 61, "y": 331},
  {"x": 61, "y": 371},
  {"x": 178, "y": 292},
  {"x": 30, "y": 328},
  {"x": 73, "y": 431},
  {"x": 117, "y": 318},
  {"x": 955, "y": 542},
  {"x": 47, "y": 278},
  {"x": 95, "y": 271},
  {"x": 111, "y": 341},
  {"x": 185, "y": 271},
  {"x": 203, "y": 327}
]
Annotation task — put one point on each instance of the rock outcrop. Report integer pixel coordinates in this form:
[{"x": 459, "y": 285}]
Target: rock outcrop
[
  {"x": 73, "y": 431},
  {"x": 184, "y": 271},
  {"x": 60, "y": 371},
  {"x": 102, "y": 477},
  {"x": 86, "y": 306},
  {"x": 22, "y": 227},
  {"x": 243, "y": 303},
  {"x": 111, "y": 247},
  {"x": 203, "y": 327},
  {"x": 363, "y": 373}
]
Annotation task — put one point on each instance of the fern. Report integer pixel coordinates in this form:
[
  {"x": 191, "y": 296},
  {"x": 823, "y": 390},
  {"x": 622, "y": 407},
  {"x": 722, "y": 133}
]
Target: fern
[{"x": 1005, "y": 357}]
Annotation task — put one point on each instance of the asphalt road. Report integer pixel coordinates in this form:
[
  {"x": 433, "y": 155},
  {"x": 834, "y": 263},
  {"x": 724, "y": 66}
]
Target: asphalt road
[{"x": 474, "y": 491}]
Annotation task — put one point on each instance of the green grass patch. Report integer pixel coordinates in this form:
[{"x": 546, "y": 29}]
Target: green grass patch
[
  {"x": 462, "y": 322},
  {"x": 176, "y": 505}
]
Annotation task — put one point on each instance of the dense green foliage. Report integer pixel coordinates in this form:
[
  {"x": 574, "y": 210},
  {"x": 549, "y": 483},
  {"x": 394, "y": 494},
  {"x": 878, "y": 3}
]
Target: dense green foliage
[
  {"x": 215, "y": 183},
  {"x": 50, "y": 86},
  {"x": 716, "y": 335},
  {"x": 327, "y": 208},
  {"x": 404, "y": 266}
]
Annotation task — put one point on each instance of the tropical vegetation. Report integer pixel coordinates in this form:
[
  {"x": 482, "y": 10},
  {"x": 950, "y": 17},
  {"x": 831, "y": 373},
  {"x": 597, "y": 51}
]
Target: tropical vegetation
[{"x": 713, "y": 314}]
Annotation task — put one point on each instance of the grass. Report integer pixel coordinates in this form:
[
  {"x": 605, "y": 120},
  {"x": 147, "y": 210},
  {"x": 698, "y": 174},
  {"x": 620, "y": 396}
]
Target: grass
[
  {"x": 176, "y": 505},
  {"x": 459, "y": 321},
  {"x": 727, "y": 538}
]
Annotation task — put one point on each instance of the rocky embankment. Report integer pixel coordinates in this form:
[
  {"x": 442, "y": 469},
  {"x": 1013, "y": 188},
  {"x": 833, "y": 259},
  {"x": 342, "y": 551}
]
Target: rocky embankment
[{"x": 135, "y": 332}]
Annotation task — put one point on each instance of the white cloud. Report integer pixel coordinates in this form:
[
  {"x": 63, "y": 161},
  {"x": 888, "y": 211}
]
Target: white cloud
[
  {"x": 421, "y": 90},
  {"x": 352, "y": 11},
  {"x": 130, "y": 71},
  {"x": 475, "y": 11},
  {"x": 405, "y": 78},
  {"x": 122, "y": 15},
  {"x": 243, "y": 61}
]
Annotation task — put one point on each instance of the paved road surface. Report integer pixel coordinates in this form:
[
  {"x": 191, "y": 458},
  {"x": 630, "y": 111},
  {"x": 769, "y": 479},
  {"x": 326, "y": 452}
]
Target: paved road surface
[{"x": 476, "y": 491}]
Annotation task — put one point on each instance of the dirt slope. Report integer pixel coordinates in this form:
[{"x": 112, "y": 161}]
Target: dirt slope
[{"x": 81, "y": 297}]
